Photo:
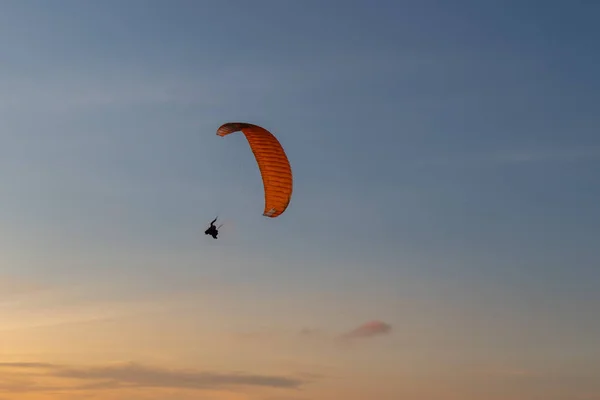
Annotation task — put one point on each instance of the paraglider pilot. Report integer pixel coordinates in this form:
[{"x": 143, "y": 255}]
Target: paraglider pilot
[{"x": 212, "y": 230}]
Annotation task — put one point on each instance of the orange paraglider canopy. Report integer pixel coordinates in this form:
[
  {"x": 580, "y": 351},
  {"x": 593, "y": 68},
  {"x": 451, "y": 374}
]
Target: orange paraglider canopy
[{"x": 272, "y": 162}]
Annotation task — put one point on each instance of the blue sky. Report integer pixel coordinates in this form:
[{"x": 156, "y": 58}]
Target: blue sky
[{"x": 444, "y": 153}]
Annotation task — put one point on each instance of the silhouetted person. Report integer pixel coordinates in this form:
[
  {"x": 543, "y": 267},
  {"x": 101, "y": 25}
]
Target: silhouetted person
[{"x": 212, "y": 229}]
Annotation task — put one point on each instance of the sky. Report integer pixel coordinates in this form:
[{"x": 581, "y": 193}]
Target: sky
[{"x": 442, "y": 238}]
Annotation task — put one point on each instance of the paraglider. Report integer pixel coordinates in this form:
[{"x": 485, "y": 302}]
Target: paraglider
[
  {"x": 273, "y": 164},
  {"x": 212, "y": 229}
]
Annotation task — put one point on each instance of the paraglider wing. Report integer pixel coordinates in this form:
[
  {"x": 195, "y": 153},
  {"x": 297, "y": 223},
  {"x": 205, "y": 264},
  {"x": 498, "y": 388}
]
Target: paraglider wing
[{"x": 272, "y": 162}]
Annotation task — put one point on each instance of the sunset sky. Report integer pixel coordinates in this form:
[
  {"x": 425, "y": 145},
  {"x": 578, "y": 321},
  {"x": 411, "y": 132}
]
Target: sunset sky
[{"x": 441, "y": 242}]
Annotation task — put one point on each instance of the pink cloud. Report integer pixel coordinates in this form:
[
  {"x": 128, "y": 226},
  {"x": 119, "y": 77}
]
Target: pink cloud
[{"x": 368, "y": 329}]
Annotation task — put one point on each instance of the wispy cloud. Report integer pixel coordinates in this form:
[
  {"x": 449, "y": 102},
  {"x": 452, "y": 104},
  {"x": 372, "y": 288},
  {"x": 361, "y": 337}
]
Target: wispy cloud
[
  {"x": 510, "y": 372},
  {"x": 138, "y": 375},
  {"x": 57, "y": 305},
  {"x": 26, "y": 365},
  {"x": 132, "y": 375},
  {"x": 368, "y": 330},
  {"x": 310, "y": 332}
]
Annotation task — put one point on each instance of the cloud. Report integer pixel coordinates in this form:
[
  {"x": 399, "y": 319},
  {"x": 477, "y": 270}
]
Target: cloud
[
  {"x": 139, "y": 375},
  {"x": 509, "y": 372},
  {"x": 279, "y": 398},
  {"x": 309, "y": 332},
  {"x": 58, "y": 306},
  {"x": 26, "y": 365},
  {"x": 134, "y": 375},
  {"x": 316, "y": 336},
  {"x": 368, "y": 329}
]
